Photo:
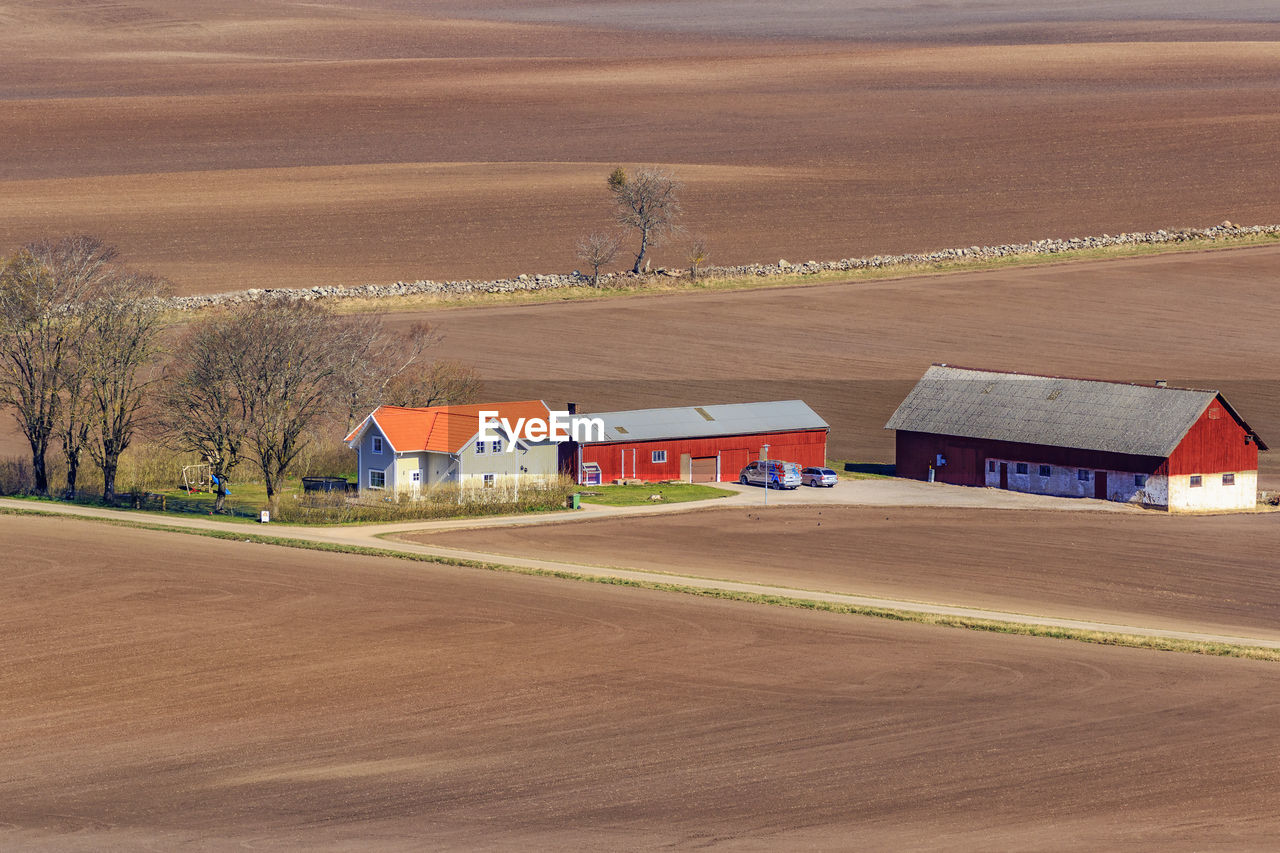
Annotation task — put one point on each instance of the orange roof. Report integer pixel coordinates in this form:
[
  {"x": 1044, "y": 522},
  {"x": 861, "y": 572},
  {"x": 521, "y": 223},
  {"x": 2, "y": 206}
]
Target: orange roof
[{"x": 445, "y": 429}]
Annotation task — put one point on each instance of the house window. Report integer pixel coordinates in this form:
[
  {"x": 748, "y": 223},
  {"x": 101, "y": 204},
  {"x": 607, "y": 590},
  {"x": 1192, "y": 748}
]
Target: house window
[
  {"x": 489, "y": 481},
  {"x": 377, "y": 444},
  {"x": 1045, "y": 470},
  {"x": 991, "y": 466},
  {"x": 377, "y": 479},
  {"x": 1022, "y": 467},
  {"x": 1082, "y": 474},
  {"x": 1140, "y": 480},
  {"x": 416, "y": 476},
  {"x": 495, "y": 446},
  {"x": 480, "y": 446},
  {"x": 1228, "y": 479},
  {"x": 1196, "y": 481},
  {"x": 658, "y": 456}
]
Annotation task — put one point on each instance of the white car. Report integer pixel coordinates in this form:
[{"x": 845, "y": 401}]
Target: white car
[
  {"x": 819, "y": 477},
  {"x": 773, "y": 474}
]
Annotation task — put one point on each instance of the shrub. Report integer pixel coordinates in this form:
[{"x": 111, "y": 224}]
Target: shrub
[{"x": 434, "y": 503}]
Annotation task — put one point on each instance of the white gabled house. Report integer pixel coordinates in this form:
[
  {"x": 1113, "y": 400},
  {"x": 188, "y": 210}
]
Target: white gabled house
[{"x": 410, "y": 449}]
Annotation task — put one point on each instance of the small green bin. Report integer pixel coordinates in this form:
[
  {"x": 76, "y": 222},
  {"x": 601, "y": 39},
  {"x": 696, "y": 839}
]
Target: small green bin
[{"x": 575, "y": 501}]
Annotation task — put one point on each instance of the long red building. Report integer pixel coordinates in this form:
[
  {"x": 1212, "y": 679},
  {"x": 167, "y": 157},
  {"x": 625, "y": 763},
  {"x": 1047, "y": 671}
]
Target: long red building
[
  {"x": 1179, "y": 448},
  {"x": 700, "y": 444}
]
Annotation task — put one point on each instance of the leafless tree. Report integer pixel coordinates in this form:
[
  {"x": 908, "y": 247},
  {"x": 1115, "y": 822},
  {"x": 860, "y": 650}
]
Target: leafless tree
[
  {"x": 698, "y": 255},
  {"x": 377, "y": 359},
  {"x": 288, "y": 371},
  {"x": 596, "y": 250},
  {"x": 647, "y": 201},
  {"x": 119, "y": 341},
  {"x": 41, "y": 289},
  {"x": 436, "y": 383},
  {"x": 199, "y": 408}
]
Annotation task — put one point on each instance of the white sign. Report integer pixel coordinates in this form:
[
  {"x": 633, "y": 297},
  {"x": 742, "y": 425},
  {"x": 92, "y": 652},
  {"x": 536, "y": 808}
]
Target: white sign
[{"x": 561, "y": 428}]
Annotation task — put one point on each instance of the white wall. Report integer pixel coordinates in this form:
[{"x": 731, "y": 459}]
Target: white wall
[
  {"x": 1211, "y": 494},
  {"x": 1065, "y": 482}
]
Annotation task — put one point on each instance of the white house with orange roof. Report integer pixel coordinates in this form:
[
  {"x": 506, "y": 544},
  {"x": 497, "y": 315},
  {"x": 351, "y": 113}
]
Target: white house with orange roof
[{"x": 410, "y": 449}]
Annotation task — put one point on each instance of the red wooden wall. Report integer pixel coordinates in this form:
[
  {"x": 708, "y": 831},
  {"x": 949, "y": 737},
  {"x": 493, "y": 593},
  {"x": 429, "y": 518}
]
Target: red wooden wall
[
  {"x": 1214, "y": 444},
  {"x": 805, "y": 447}
]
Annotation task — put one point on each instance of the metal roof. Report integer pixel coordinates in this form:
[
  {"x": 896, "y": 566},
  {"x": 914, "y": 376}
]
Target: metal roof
[
  {"x": 707, "y": 421},
  {"x": 1091, "y": 414}
]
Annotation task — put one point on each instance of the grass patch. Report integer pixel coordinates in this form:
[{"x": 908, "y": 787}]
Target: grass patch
[
  {"x": 972, "y": 624},
  {"x": 672, "y": 493}
]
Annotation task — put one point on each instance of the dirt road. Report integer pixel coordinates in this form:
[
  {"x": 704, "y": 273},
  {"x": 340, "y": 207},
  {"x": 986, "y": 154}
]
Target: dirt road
[{"x": 160, "y": 690}]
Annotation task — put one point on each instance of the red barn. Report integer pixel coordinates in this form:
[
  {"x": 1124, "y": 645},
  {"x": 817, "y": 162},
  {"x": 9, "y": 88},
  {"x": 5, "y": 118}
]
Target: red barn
[
  {"x": 1178, "y": 448},
  {"x": 700, "y": 444}
]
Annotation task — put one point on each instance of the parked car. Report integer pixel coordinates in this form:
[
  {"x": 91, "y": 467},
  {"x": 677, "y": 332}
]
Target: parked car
[
  {"x": 818, "y": 477},
  {"x": 773, "y": 474}
]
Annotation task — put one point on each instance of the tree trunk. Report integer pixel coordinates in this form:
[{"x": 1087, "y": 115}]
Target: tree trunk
[
  {"x": 644, "y": 247},
  {"x": 73, "y": 471},
  {"x": 39, "y": 472},
  {"x": 220, "y": 502},
  {"x": 109, "y": 483}
]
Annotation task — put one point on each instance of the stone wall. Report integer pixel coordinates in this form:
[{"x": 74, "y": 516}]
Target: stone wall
[{"x": 524, "y": 283}]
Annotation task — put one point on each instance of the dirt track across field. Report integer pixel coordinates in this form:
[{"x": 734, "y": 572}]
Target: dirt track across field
[
  {"x": 1204, "y": 574},
  {"x": 160, "y": 690},
  {"x": 241, "y": 144}
]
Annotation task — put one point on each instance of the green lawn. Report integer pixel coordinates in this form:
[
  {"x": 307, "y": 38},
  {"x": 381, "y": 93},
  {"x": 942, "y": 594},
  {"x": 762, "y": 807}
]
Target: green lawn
[{"x": 640, "y": 495}]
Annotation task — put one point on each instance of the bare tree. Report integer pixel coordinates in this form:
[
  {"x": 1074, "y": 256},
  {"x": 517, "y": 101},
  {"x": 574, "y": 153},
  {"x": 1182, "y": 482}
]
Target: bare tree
[
  {"x": 647, "y": 201},
  {"x": 437, "y": 383},
  {"x": 698, "y": 255},
  {"x": 74, "y": 419},
  {"x": 199, "y": 408},
  {"x": 288, "y": 371},
  {"x": 41, "y": 289},
  {"x": 121, "y": 324},
  {"x": 377, "y": 358},
  {"x": 596, "y": 250}
]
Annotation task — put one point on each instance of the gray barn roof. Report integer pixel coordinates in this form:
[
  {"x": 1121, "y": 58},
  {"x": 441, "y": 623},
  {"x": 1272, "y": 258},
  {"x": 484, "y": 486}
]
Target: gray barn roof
[
  {"x": 1079, "y": 413},
  {"x": 707, "y": 421}
]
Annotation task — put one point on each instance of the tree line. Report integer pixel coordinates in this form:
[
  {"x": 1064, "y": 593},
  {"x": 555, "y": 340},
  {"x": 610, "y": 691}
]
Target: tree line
[{"x": 88, "y": 360}]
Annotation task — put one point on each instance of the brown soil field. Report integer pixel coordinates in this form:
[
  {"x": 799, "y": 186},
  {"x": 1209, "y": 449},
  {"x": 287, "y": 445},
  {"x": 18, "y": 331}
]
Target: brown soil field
[
  {"x": 160, "y": 691},
  {"x": 1209, "y": 574},
  {"x": 852, "y": 351},
  {"x": 232, "y": 144}
]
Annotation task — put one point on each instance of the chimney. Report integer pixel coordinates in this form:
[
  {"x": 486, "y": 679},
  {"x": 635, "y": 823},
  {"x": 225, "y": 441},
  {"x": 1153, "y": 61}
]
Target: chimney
[
  {"x": 572, "y": 407},
  {"x": 1162, "y": 383}
]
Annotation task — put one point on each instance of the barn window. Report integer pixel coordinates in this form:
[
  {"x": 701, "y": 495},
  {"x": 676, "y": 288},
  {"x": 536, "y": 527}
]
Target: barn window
[
  {"x": 377, "y": 479},
  {"x": 991, "y": 466},
  {"x": 1022, "y": 467},
  {"x": 1195, "y": 481},
  {"x": 377, "y": 444},
  {"x": 1228, "y": 479},
  {"x": 1082, "y": 474},
  {"x": 1140, "y": 480},
  {"x": 658, "y": 456},
  {"x": 1045, "y": 470}
]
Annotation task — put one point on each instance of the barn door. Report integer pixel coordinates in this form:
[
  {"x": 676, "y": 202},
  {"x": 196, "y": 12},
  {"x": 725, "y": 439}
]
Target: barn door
[
  {"x": 1100, "y": 485},
  {"x": 1004, "y": 475},
  {"x": 704, "y": 469}
]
